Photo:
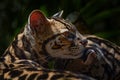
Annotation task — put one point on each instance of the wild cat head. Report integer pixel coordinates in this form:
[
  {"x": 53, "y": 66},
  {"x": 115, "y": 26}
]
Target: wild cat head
[{"x": 55, "y": 36}]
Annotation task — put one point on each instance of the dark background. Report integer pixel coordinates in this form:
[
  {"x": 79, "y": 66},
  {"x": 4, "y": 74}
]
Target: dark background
[{"x": 101, "y": 16}]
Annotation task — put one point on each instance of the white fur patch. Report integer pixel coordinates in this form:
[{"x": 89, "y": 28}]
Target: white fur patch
[{"x": 63, "y": 30}]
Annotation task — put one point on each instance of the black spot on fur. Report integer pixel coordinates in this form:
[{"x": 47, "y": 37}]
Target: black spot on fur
[
  {"x": 11, "y": 65},
  {"x": 32, "y": 69},
  {"x": 18, "y": 52},
  {"x": 42, "y": 77},
  {"x": 8, "y": 53},
  {"x": 32, "y": 76},
  {"x": 15, "y": 73},
  {"x": 26, "y": 44},
  {"x": 24, "y": 62},
  {"x": 23, "y": 77}
]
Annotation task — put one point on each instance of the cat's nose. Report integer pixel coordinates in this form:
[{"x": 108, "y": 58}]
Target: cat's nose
[{"x": 84, "y": 42}]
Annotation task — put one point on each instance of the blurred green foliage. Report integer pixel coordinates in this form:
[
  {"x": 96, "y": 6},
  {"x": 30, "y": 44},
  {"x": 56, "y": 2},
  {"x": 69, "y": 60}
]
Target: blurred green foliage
[{"x": 101, "y": 16}]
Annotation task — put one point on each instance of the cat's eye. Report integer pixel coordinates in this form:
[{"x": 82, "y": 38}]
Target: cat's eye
[{"x": 70, "y": 36}]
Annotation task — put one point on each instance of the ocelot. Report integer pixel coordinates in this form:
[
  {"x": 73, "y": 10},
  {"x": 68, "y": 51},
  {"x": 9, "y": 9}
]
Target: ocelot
[{"x": 40, "y": 42}]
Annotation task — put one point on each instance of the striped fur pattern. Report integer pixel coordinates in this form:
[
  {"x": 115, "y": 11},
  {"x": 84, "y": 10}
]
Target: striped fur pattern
[
  {"x": 42, "y": 40},
  {"x": 101, "y": 60}
]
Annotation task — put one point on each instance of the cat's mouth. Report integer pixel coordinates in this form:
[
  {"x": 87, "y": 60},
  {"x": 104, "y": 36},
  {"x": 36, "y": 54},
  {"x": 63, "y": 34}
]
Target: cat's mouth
[{"x": 76, "y": 50}]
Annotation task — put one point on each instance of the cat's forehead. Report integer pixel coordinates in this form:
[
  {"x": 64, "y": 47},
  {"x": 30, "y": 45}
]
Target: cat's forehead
[{"x": 61, "y": 25}]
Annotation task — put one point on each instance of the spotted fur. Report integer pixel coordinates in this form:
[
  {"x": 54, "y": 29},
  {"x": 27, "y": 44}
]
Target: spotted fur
[
  {"x": 101, "y": 60},
  {"x": 42, "y": 40}
]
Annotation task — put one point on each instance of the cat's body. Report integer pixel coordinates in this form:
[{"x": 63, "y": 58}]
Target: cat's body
[{"x": 41, "y": 41}]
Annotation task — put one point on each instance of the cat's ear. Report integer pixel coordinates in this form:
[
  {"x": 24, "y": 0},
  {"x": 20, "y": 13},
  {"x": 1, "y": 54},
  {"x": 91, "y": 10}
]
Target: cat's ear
[
  {"x": 37, "y": 21},
  {"x": 58, "y": 14}
]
